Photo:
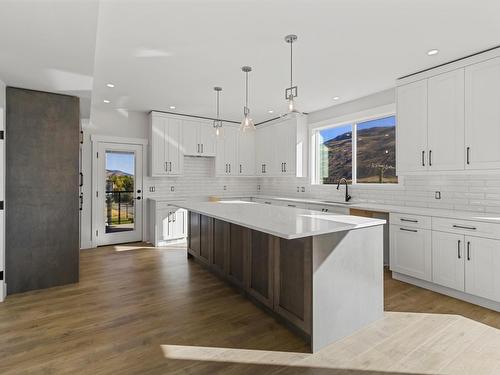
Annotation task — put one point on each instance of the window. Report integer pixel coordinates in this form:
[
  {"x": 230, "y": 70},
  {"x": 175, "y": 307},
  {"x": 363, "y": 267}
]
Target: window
[{"x": 363, "y": 152}]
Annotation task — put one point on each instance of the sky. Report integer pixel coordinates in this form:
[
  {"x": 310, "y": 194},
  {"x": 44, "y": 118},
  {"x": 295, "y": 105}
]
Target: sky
[
  {"x": 331, "y": 133},
  {"x": 121, "y": 161}
]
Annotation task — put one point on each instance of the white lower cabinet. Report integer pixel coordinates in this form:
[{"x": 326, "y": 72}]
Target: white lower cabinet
[
  {"x": 482, "y": 267},
  {"x": 167, "y": 223},
  {"x": 411, "y": 251},
  {"x": 448, "y": 254}
]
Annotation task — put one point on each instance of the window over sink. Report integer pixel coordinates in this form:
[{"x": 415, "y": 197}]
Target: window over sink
[{"x": 364, "y": 152}]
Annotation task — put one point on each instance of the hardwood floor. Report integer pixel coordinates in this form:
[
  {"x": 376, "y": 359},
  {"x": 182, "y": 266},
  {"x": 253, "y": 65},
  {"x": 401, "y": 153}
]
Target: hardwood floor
[{"x": 141, "y": 310}]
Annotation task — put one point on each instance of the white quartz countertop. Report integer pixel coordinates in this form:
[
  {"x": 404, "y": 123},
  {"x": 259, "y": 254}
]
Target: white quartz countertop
[
  {"x": 436, "y": 212},
  {"x": 285, "y": 222}
]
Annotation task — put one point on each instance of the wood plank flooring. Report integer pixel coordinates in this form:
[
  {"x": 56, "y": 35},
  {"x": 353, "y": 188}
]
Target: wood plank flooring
[{"x": 141, "y": 310}]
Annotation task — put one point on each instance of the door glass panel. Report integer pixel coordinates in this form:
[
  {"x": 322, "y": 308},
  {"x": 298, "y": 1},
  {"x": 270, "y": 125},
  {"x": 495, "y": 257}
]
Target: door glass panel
[{"x": 120, "y": 181}]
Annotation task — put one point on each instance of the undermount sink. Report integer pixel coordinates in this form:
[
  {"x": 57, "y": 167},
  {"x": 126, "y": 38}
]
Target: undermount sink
[{"x": 337, "y": 202}]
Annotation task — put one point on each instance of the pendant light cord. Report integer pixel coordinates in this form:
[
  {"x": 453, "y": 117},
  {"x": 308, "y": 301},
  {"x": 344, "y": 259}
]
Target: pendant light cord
[
  {"x": 291, "y": 64},
  {"x": 246, "y": 89}
]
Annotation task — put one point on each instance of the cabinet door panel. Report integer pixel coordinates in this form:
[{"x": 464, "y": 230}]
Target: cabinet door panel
[
  {"x": 482, "y": 115},
  {"x": 206, "y": 238},
  {"x": 448, "y": 260},
  {"x": 411, "y": 252},
  {"x": 221, "y": 245},
  {"x": 238, "y": 243},
  {"x": 230, "y": 149},
  {"x": 194, "y": 240},
  {"x": 158, "y": 153},
  {"x": 260, "y": 281},
  {"x": 207, "y": 139},
  {"x": 446, "y": 121},
  {"x": 190, "y": 139},
  {"x": 482, "y": 267},
  {"x": 293, "y": 279},
  {"x": 173, "y": 146},
  {"x": 412, "y": 127},
  {"x": 246, "y": 154}
]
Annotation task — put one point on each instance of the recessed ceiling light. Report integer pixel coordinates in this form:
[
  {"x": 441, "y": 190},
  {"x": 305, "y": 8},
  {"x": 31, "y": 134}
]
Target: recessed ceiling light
[
  {"x": 336, "y": 97},
  {"x": 270, "y": 111},
  {"x": 110, "y": 85},
  {"x": 106, "y": 101},
  {"x": 432, "y": 52},
  {"x": 172, "y": 107}
]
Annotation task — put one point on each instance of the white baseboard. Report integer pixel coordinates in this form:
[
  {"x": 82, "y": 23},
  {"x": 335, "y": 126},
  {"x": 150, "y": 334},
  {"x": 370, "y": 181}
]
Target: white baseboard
[
  {"x": 489, "y": 304},
  {"x": 3, "y": 290}
]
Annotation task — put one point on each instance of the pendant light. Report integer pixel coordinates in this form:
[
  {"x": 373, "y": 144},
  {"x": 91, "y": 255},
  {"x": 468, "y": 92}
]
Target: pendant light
[
  {"x": 219, "y": 132},
  {"x": 247, "y": 124},
  {"x": 292, "y": 91}
]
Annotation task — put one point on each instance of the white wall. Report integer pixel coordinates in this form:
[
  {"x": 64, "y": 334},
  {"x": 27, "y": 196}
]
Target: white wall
[
  {"x": 469, "y": 192},
  {"x": 2, "y": 190}
]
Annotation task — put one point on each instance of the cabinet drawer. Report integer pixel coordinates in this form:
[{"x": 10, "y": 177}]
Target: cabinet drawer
[
  {"x": 412, "y": 221},
  {"x": 330, "y": 209},
  {"x": 466, "y": 227}
]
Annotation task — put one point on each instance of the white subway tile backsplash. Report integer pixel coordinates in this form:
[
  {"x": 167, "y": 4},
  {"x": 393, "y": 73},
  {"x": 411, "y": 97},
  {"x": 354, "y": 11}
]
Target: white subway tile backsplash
[
  {"x": 199, "y": 181},
  {"x": 478, "y": 193}
]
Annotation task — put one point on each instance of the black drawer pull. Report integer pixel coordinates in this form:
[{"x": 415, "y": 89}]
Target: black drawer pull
[
  {"x": 409, "y": 230},
  {"x": 409, "y": 220},
  {"x": 464, "y": 227}
]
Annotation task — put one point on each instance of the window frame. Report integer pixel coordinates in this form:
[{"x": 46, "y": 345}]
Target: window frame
[{"x": 354, "y": 121}]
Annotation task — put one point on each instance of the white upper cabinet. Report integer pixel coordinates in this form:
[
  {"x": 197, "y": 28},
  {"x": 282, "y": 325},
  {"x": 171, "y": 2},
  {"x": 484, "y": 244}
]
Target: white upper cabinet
[
  {"x": 199, "y": 138},
  {"x": 226, "y": 158},
  {"x": 281, "y": 147},
  {"x": 264, "y": 150},
  {"x": 246, "y": 154},
  {"x": 449, "y": 117},
  {"x": 165, "y": 150},
  {"x": 445, "y": 130},
  {"x": 482, "y": 115},
  {"x": 412, "y": 127}
]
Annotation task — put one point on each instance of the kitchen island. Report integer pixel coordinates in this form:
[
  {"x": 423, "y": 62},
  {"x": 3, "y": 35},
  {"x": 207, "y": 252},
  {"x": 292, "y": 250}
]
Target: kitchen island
[{"x": 318, "y": 272}]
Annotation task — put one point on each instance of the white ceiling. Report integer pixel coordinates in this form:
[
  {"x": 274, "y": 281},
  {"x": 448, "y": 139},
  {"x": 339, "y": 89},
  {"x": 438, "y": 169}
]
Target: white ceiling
[
  {"x": 49, "y": 46},
  {"x": 172, "y": 52}
]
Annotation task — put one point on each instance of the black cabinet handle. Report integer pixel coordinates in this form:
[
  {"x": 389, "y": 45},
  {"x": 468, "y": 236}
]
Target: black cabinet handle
[
  {"x": 458, "y": 249},
  {"x": 81, "y": 179},
  {"x": 464, "y": 227},
  {"x": 409, "y": 220},
  {"x": 409, "y": 230},
  {"x": 468, "y": 155},
  {"x": 430, "y": 158},
  {"x": 468, "y": 250},
  {"x": 423, "y": 158}
]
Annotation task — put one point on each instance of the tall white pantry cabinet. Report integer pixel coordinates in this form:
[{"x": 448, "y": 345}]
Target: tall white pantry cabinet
[{"x": 449, "y": 119}]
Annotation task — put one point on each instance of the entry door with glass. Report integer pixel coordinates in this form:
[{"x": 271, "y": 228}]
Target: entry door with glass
[{"x": 119, "y": 193}]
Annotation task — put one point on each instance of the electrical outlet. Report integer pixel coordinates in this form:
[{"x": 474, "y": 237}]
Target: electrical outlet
[
  {"x": 258, "y": 187},
  {"x": 172, "y": 188},
  {"x": 151, "y": 189},
  {"x": 437, "y": 195},
  {"x": 303, "y": 189},
  {"x": 298, "y": 189},
  {"x": 225, "y": 187}
]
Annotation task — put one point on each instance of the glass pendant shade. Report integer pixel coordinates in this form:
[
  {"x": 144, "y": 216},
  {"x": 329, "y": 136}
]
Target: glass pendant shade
[{"x": 247, "y": 125}]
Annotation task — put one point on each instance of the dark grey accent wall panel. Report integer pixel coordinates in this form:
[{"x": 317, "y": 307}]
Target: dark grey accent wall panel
[{"x": 41, "y": 200}]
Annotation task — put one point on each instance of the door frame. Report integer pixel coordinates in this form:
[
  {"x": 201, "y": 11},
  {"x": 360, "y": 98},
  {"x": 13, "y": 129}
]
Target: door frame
[{"x": 96, "y": 139}]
